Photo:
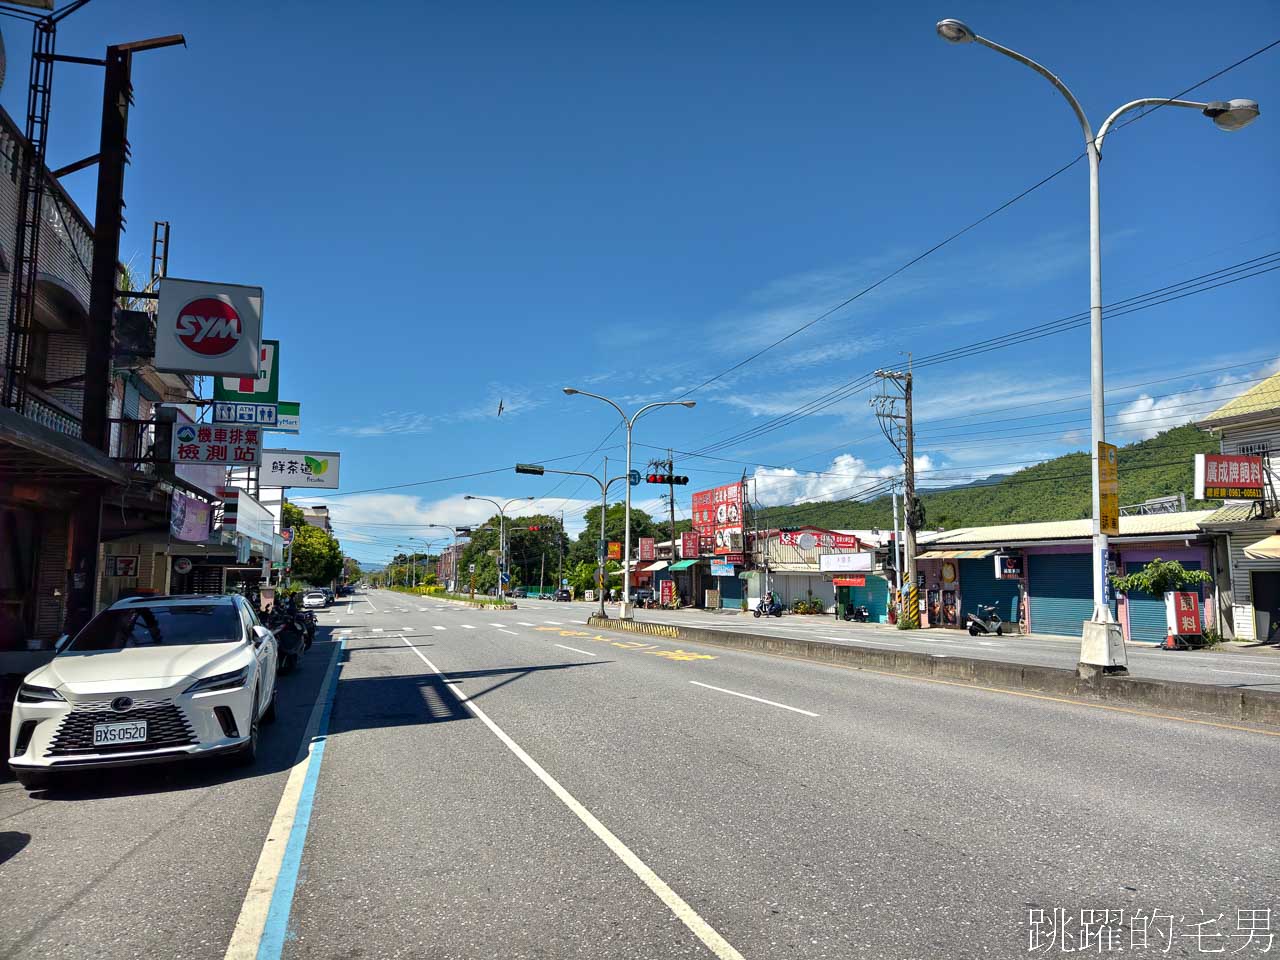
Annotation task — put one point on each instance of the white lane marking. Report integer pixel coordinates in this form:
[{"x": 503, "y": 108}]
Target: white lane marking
[
  {"x": 524, "y": 624},
  {"x": 437, "y": 627},
  {"x": 252, "y": 921},
  {"x": 747, "y": 696},
  {"x": 370, "y": 602},
  {"x": 376, "y": 629},
  {"x": 717, "y": 944},
  {"x": 498, "y": 625},
  {"x": 466, "y": 626},
  {"x": 852, "y": 640},
  {"x": 587, "y": 653},
  {"x": 422, "y": 609},
  {"x": 1245, "y": 673},
  {"x": 556, "y": 623},
  {"x": 505, "y": 630}
]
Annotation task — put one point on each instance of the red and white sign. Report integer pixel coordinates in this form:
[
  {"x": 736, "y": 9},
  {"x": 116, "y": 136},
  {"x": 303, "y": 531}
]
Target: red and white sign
[
  {"x": 718, "y": 514},
  {"x": 825, "y": 538},
  {"x": 690, "y": 542},
  {"x": 666, "y": 592},
  {"x": 217, "y": 444},
  {"x": 208, "y": 328},
  {"x": 648, "y": 551},
  {"x": 1226, "y": 476},
  {"x": 1182, "y": 614},
  {"x": 850, "y": 581}
]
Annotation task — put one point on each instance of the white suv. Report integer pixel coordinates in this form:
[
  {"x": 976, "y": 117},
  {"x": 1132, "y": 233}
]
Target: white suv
[{"x": 148, "y": 680}]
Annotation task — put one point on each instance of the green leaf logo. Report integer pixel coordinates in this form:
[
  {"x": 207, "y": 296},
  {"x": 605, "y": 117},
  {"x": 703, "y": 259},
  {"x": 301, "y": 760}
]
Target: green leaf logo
[{"x": 318, "y": 467}]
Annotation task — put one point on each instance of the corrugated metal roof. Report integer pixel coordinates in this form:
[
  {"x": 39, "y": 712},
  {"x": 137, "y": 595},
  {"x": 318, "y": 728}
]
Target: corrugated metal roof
[
  {"x": 1233, "y": 513},
  {"x": 1143, "y": 526},
  {"x": 1263, "y": 398}
]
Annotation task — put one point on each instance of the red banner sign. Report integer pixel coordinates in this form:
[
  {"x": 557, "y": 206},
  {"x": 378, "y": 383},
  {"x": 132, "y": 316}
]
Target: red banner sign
[
  {"x": 667, "y": 592},
  {"x": 717, "y": 517},
  {"x": 689, "y": 544},
  {"x": 647, "y": 549},
  {"x": 850, "y": 581},
  {"x": 1230, "y": 477},
  {"x": 822, "y": 538},
  {"x": 1183, "y": 613}
]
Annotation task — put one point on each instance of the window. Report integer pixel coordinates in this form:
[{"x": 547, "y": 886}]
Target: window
[
  {"x": 38, "y": 354},
  {"x": 155, "y": 626}
]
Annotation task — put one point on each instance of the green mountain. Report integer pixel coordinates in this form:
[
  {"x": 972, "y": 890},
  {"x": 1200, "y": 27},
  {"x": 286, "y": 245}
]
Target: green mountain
[{"x": 1057, "y": 489}]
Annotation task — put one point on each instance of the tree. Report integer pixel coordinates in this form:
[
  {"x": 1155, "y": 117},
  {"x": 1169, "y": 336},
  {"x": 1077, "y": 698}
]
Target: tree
[
  {"x": 351, "y": 569},
  {"x": 291, "y": 516},
  {"x": 584, "y": 548},
  {"x": 1160, "y": 577},
  {"x": 317, "y": 557}
]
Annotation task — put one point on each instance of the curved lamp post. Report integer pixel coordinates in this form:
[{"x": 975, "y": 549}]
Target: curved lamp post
[
  {"x": 629, "y": 422},
  {"x": 1103, "y": 641},
  {"x": 502, "y": 532}
]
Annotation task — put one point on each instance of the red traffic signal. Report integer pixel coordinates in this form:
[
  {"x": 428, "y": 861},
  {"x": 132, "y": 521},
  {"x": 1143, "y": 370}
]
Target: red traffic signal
[
  {"x": 666, "y": 478},
  {"x": 533, "y": 528}
]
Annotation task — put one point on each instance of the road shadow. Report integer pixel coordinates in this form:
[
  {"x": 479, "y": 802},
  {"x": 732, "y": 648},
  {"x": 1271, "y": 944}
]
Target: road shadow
[
  {"x": 278, "y": 746},
  {"x": 11, "y": 843}
]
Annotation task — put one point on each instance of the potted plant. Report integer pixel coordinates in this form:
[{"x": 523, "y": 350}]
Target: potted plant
[{"x": 1162, "y": 578}]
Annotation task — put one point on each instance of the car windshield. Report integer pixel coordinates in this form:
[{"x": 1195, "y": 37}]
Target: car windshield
[{"x": 172, "y": 626}]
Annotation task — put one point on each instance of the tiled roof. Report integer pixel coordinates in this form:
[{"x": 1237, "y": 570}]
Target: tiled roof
[
  {"x": 1263, "y": 398},
  {"x": 1150, "y": 525},
  {"x": 1232, "y": 513}
]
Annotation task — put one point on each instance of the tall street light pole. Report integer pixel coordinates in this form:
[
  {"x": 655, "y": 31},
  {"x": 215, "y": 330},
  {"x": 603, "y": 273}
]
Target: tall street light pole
[
  {"x": 537, "y": 470},
  {"x": 1103, "y": 642},
  {"x": 502, "y": 533},
  {"x": 629, "y": 422}
]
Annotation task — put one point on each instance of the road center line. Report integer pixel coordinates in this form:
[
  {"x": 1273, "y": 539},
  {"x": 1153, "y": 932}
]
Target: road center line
[
  {"x": 747, "y": 696},
  {"x": 556, "y": 623},
  {"x": 524, "y": 624},
  {"x": 264, "y": 915},
  {"x": 576, "y": 650},
  {"x": 505, "y": 630},
  {"x": 498, "y": 625},
  {"x": 437, "y": 627},
  {"x": 1245, "y": 673},
  {"x": 466, "y": 626},
  {"x": 674, "y": 902}
]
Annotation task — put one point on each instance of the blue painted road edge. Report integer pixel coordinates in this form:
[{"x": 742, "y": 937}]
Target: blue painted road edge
[{"x": 276, "y": 931}]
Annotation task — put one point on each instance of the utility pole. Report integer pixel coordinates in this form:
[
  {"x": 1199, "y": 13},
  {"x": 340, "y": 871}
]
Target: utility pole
[
  {"x": 897, "y": 542},
  {"x": 898, "y": 428},
  {"x": 671, "y": 500}
]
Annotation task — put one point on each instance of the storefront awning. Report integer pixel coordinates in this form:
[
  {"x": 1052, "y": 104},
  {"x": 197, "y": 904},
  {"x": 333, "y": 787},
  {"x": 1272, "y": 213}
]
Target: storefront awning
[
  {"x": 955, "y": 554},
  {"x": 684, "y": 564},
  {"x": 1268, "y": 548},
  {"x": 653, "y": 567}
]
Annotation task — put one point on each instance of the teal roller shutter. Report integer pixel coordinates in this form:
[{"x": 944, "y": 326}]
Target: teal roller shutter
[
  {"x": 979, "y": 587},
  {"x": 732, "y": 590},
  {"x": 874, "y": 596},
  {"x": 1061, "y": 591},
  {"x": 1146, "y": 612}
]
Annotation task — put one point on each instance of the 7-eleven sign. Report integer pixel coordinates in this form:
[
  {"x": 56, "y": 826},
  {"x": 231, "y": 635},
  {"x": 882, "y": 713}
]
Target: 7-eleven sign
[{"x": 265, "y": 388}]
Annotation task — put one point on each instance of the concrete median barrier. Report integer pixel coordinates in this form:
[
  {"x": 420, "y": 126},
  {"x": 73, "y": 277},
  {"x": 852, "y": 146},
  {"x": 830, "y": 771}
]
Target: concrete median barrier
[{"x": 1227, "y": 703}]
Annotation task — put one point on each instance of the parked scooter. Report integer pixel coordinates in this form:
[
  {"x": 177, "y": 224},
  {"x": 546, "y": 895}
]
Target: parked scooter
[
  {"x": 291, "y": 634},
  {"x": 858, "y": 614},
  {"x": 986, "y": 620},
  {"x": 767, "y": 607}
]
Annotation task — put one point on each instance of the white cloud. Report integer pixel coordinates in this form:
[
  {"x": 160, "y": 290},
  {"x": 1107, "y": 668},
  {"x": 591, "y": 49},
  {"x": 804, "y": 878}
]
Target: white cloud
[
  {"x": 1148, "y": 415},
  {"x": 848, "y": 477},
  {"x": 389, "y": 423}
]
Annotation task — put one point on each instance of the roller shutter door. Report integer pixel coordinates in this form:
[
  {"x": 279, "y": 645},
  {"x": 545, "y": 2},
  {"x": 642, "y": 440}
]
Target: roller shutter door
[
  {"x": 979, "y": 586},
  {"x": 1061, "y": 589},
  {"x": 874, "y": 596},
  {"x": 1146, "y": 612}
]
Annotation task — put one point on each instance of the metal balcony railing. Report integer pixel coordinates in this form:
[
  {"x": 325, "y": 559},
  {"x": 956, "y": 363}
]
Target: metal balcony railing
[{"x": 49, "y": 413}]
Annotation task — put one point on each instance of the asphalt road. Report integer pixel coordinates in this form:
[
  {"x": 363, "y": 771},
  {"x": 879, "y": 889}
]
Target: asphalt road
[
  {"x": 510, "y": 784},
  {"x": 1257, "y": 668}
]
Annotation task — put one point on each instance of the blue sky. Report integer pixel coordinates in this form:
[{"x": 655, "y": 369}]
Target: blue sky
[{"x": 448, "y": 205}]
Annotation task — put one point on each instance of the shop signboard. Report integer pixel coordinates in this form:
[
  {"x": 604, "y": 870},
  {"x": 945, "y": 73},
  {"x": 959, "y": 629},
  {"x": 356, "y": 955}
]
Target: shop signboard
[
  {"x": 615, "y": 550},
  {"x": 258, "y": 414},
  {"x": 690, "y": 542},
  {"x": 648, "y": 550},
  {"x": 123, "y": 567},
  {"x": 721, "y": 569},
  {"x": 188, "y": 518},
  {"x": 1226, "y": 476},
  {"x": 831, "y": 562},
  {"x": 288, "y": 417},
  {"x": 821, "y": 538},
  {"x": 253, "y": 520},
  {"x": 263, "y": 387},
  {"x": 1182, "y": 614},
  {"x": 223, "y": 444},
  {"x": 214, "y": 329},
  {"x": 850, "y": 581},
  {"x": 717, "y": 517},
  {"x": 666, "y": 592},
  {"x": 1108, "y": 490},
  {"x": 1009, "y": 566},
  {"x": 299, "y": 468}
]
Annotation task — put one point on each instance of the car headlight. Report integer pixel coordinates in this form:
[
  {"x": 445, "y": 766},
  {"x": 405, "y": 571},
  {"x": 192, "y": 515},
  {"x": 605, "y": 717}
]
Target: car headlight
[
  {"x": 30, "y": 693},
  {"x": 223, "y": 681}
]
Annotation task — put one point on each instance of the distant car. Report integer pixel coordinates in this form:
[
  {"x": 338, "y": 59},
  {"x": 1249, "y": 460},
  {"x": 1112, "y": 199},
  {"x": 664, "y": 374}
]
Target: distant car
[
  {"x": 313, "y": 599},
  {"x": 518, "y": 593},
  {"x": 641, "y": 595},
  {"x": 148, "y": 680},
  {"x": 328, "y": 595},
  {"x": 563, "y": 595}
]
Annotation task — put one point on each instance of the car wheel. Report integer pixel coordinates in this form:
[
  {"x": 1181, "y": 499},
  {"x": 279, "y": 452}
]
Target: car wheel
[
  {"x": 248, "y": 753},
  {"x": 269, "y": 714},
  {"x": 33, "y": 779}
]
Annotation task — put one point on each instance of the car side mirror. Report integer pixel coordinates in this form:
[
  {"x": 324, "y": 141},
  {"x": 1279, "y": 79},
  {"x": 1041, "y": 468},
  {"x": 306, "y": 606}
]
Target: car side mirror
[
  {"x": 61, "y": 643},
  {"x": 260, "y": 633}
]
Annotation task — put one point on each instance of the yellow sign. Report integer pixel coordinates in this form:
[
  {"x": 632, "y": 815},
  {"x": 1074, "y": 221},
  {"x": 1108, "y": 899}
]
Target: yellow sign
[{"x": 1108, "y": 490}]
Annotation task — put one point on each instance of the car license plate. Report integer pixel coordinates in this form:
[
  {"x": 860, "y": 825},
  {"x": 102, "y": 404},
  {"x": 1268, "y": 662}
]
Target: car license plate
[{"x": 110, "y": 734}]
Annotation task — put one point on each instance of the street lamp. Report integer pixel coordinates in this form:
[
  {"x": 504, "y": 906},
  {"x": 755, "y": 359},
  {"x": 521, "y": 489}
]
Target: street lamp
[
  {"x": 537, "y": 470},
  {"x": 502, "y": 532},
  {"x": 1103, "y": 641},
  {"x": 625, "y": 611}
]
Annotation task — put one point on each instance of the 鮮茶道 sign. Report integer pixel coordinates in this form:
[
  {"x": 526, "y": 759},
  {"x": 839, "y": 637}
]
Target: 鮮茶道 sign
[
  {"x": 299, "y": 468},
  {"x": 216, "y": 443},
  {"x": 209, "y": 328}
]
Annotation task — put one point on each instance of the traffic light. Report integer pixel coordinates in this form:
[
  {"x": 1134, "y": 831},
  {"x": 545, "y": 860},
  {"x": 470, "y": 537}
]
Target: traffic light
[
  {"x": 666, "y": 478},
  {"x": 533, "y": 528}
]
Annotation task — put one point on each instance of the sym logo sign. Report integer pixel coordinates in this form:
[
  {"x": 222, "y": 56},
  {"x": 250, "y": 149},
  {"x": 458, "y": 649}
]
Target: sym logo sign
[
  {"x": 209, "y": 327},
  {"x": 212, "y": 329}
]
